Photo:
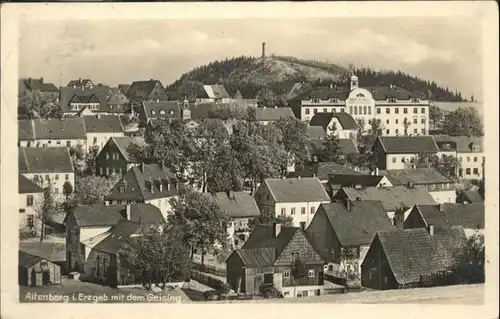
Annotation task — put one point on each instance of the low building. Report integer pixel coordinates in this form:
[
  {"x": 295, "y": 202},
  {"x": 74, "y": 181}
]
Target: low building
[
  {"x": 341, "y": 233},
  {"x": 298, "y": 198},
  {"x": 52, "y": 133},
  {"x": 116, "y": 156},
  {"x": 213, "y": 94},
  {"x": 441, "y": 188},
  {"x": 266, "y": 115},
  {"x": 240, "y": 207},
  {"x": 269, "y": 256},
  {"x": 412, "y": 258},
  {"x": 469, "y": 196},
  {"x": 101, "y": 128},
  {"x": 44, "y": 165},
  {"x": 345, "y": 126},
  {"x": 323, "y": 170},
  {"x": 117, "y": 101},
  {"x": 36, "y": 271},
  {"x": 146, "y": 183},
  {"x": 471, "y": 156},
  {"x": 400, "y": 152},
  {"x": 30, "y": 195}
]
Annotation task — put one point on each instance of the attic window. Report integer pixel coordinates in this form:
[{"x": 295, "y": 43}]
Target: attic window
[
  {"x": 446, "y": 146},
  {"x": 315, "y": 100},
  {"x": 415, "y": 100},
  {"x": 171, "y": 112},
  {"x": 153, "y": 112},
  {"x": 392, "y": 100},
  {"x": 122, "y": 189},
  {"x": 360, "y": 95},
  {"x": 162, "y": 112}
]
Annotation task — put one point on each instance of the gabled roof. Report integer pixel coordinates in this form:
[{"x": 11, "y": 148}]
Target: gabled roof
[
  {"x": 324, "y": 119},
  {"x": 315, "y": 132},
  {"x": 117, "y": 97},
  {"x": 27, "y": 260},
  {"x": 124, "y": 142},
  {"x": 137, "y": 183},
  {"x": 215, "y": 91},
  {"x": 124, "y": 88},
  {"x": 53, "y": 129},
  {"x": 464, "y": 143},
  {"x": 103, "y": 124},
  {"x": 237, "y": 204},
  {"x": 79, "y": 82},
  {"x": 471, "y": 196},
  {"x": 408, "y": 144},
  {"x": 52, "y": 251},
  {"x": 44, "y": 160},
  {"x": 292, "y": 190},
  {"x": 412, "y": 253},
  {"x": 273, "y": 114},
  {"x": 141, "y": 90},
  {"x": 66, "y": 94},
  {"x": 39, "y": 85},
  {"x": 418, "y": 176},
  {"x": 257, "y": 257},
  {"x": 392, "y": 198},
  {"x": 26, "y": 130},
  {"x": 109, "y": 215},
  {"x": 321, "y": 170},
  {"x": 358, "y": 225},
  {"x": 118, "y": 236},
  {"x": 27, "y": 186},
  {"x": 469, "y": 216},
  {"x": 346, "y": 146},
  {"x": 162, "y": 110},
  {"x": 351, "y": 180}
]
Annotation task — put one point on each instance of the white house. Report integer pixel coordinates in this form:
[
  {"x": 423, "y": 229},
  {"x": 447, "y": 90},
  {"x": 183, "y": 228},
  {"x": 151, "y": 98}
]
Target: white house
[
  {"x": 68, "y": 132},
  {"x": 343, "y": 123},
  {"x": 471, "y": 156},
  {"x": 100, "y": 129},
  {"x": 29, "y": 197}
]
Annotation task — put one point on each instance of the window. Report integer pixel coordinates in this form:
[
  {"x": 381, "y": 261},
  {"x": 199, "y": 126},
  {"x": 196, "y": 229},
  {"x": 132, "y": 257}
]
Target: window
[
  {"x": 422, "y": 131},
  {"x": 387, "y": 131},
  {"x": 403, "y": 159},
  {"x": 475, "y": 159},
  {"x": 107, "y": 155},
  {"x": 364, "y": 109},
  {"x": 396, "y": 110},
  {"x": 325, "y": 110},
  {"x": 95, "y": 140},
  {"x": 397, "y": 121},
  {"x": 334, "y": 110},
  {"x": 153, "y": 112},
  {"x": 292, "y": 211},
  {"x": 397, "y": 131},
  {"x": 386, "y": 121},
  {"x": 378, "y": 110},
  {"x": 286, "y": 274},
  {"x": 415, "y": 110},
  {"x": 415, "y": 131},
  {"x": 422, "y": 121},
  {"x": 68, "y": 143},
  {"x": 369, "y": 110},
  {"x": 56, "y": 190},
  {"x": 467, "y": 171},
  {"x": 415, "y": 121},
  {"x": 66, "y": 177},
  {"x": 101, "y": 171},
  {"x": 313, "y": 210},
  {"x": 468, "y": 160},
  {"x": 30, "y": 221},
  {"x": 405, "y": 110},
  {"x": 107, "y": 171},
  {"x": 310, "y": 273},
  {"x": 315, "y": 111},
  {"x": 392, "y": 100},
  {"x": 422, "y": 110},
  {"x": 315, "y": 100},
  {"x": 355, "y": 110},
  {"x": 162, "y": 112},
  {"x": 476, "y": 171},
  {"x": 29, "y": 200},
  {"x": 47, "y": 177},
  {"x": 58, "y": 143},
  {"x": 122, "y": 189},
  {"x": 303, "y": 210},
  {"x": 387, "y": 110},
  {"x": 342, "y": 110},
  {"x": 307, "y": 111},
  {"x": 56, "y": 177},
  {"x": 283, "y": 211},
  {"x": 350, "y": 110}
]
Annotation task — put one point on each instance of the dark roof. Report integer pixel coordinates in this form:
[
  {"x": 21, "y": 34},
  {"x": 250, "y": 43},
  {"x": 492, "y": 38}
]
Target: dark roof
[
  {"x": 124, "y": 142},
  {"x": 464, "y": 143},
  {"x": 79, "y": 82},
  {"x": 466, "y": 215},
  {"x": 241, "y": 204},
  {"x": 70, "y": 128},
  {"x": 39, "y": 85},
  {"x": 103, "y": 124},
  {"x": 162, "y": 110},
  {"x": 346, "y": 146},
  {"x": 117, "y": 97},
  {"x": 392, "y": 198},
  {"x": 325, "y": 93},
  {"x": 408, "y": 144},
  {"x": 109, "y": 215},
  {"x": 273, "y": 114},
  {"x": 45, "y": 160},
  {"x": 124, "y": 88},
  {"x": 379, "y": 93},
  {"x": 138, "y": 182},
  {"x": 471, "y": 197},
  {"x": 26, "y": 186},
  {"x": 315, "y": 132},
  {"x": 442, "y": 138},
  {"x": 27, "y": 260},
  {"x": 142, "y": 90},
  {"x": 351, "y": 180},
  {"x": 66, "y": 94},
  {"x": 418, "y": 176},
  {"x": 118, "y": 236},
  {"x": 52, "y": 251},
  {"x": 203, "y": 110},
  {"x": 321, "y": 170},
  {"x": 358, "y": 225},
  {"x": 414, "y": 252},
  {"x": 257, "y": 257},
  {"x": 324, "y": 119},
  {"x": 296, "y": 190}
]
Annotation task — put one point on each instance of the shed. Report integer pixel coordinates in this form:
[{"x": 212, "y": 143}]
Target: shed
[{"x": 37, "y": 271}]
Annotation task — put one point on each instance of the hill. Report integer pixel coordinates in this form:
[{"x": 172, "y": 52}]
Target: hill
[{"x": 249, "y": 75}]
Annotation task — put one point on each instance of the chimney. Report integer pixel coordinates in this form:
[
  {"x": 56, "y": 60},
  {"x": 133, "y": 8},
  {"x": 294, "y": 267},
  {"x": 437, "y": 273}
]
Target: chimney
[
  {"x": 80, "y": 80},
  {"x": 263, "y": 49},
  {"x": 41, "y": 80},
  {"x": 276, "y": 229},
  {"x": 128, "y": 212},
  {"x": 348, "y": 204},
  {"x": 431, "y": 230},
  {"x": 441, "y": 207}
]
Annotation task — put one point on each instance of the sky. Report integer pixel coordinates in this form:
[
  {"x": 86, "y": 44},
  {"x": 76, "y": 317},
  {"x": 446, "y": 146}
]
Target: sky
[{"x": 444, "y": 50}]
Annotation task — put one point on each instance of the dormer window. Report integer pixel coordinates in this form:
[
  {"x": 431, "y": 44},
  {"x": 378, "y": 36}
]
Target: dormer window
[
  {"x": 122, "y": 189},
  {"x": 334, "y": 100},
  {"x": 168, "y": 186},
  {"x": 415, "y": 100},
  {"x": 360, "y": 95},
  {"x": 475, "y": 148},
  {"x": 446, "y": 146},
  {"x": 162, "y": 112},
  {"x": 392, "y": 100},
  {"x": 315, "y": 100},
  {"x": 153, "y": 112},
  {"x": 171, "y": 112}
]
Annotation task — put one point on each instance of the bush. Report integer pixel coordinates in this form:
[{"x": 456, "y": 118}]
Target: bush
[{"x": 268, "y": 291}]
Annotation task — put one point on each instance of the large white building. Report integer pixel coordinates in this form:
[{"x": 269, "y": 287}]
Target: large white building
[{"x": 393, "y": 106}]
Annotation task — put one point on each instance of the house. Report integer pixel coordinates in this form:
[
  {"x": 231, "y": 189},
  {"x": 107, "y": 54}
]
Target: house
[
  {"x": 315, "y": 132},
  {"x": 394, "y": 199},
  {"x": 266, "y": 115},
  {"x": 147, "y": 183},
  {"x": 399, "y": 152},
  {"x": 101, "y": 128},
  {"x": 162, "y": 110},
  {"x": 343, "y": 123},
  {"x": 323, "y": 170},
  {"x": 390, "y": 104},
  {"x": 440, "y": 187},
  {"x": 117, "y": 101},
  {"x": 298, "y": 198},
  {"x": 53, "y": 251},
  {"x": 48, "y": 91},
  {"x": 358, "y": 181},
  {"x": 213, "y": 94},
  {"x": 29, "y": 196},
  {"x": 269, "y": 256},
  {"x": 408, "y": 258},
  {"x": 81, "y": 83},
  {"x": 124, "y": 88},
  {"x": 116, "y": 156},
  {"x": 37, "y": 271},
  {"x": 44, "y": 165},
  {"x": 447, "y": 146},
  {"x": 469, "y": 216},
  {"x": 471, "y": 155},
  {"x": 240, "y": 207},
  {"x": 87, "y": 224},
  {"x": 341, "y": 233},
  {"x": 68, "y": 132},
  {"x": 469, "y": 196},
  {"x": 150, "y": 90},
  {"x": 346, "y": 146},
  {"x": 75, "y": 100}
]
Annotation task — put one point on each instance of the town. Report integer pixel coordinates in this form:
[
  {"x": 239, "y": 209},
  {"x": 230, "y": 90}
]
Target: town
[{"x": 331, "y": 187}]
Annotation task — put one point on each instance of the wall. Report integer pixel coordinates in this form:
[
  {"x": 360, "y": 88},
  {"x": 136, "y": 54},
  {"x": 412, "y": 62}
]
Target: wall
[
  {"x": 235, "y": 273},
  {"x": 264, "y": 200},
  {"x": 100, "y": 139},
  {"x": 32, "y": 276},
  {"x": 25, "y": 211},
  {"x": 97, "y": 265},
  {"x": 57, "y": 179},
  {"x": 110, "y": 160},
  {"x": 322, "y": 236},
  {"x": 469, "y": 162},
  {"x": 163, "y": 205},
  {"x": 444, "y": 196},
  {"x": 395, "y": 161},
  {"x": 298, "y": 217},
  {"x": 375, "y": 270},
  {"x": 303, "y": 291},
  {"x": 54, "y": 143}
]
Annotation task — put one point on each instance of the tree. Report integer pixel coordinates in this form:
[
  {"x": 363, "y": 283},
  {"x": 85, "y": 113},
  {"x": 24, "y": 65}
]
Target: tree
[
  {"x": 406, "y": 125},
  {"x": 463, "y": 122},
  {"x": 78, "y": 158},
  {"x": 224, "y": 173},
  {"x": 67, "y": 189},
  {"x": 200, "y": 220},
  {"x": 156, "y": 255},
  {"x": 294, "y": 139},
  {"x": 331, "y": 151},
  {"x": 446, "y": 165},
  {"x": 46, "y": 207},
  {"x": 469, "y": 268},
  {"x": 267, "y": 218},
  {"x": 360, "y": 137},
  {"x": 298, "y": 270},
  {"x": 266, "y": 98},
  {"x": 435, "y": 114},
  {"x": 349, "y": 267},
  {"x": 376, "y": 127},
  {"x": 90, "y": 160},
  {"x": 93, "y": 189},
  {"x": 34, "y": 105}
]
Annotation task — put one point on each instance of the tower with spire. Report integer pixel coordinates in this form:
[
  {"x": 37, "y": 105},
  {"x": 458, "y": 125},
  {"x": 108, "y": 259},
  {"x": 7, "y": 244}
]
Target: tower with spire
[{"x": 186, "y": 112}]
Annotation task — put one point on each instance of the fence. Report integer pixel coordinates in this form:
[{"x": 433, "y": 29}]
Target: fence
[
  {"x": 209, "y": 269},
  {"x": 207, "y": 279}
]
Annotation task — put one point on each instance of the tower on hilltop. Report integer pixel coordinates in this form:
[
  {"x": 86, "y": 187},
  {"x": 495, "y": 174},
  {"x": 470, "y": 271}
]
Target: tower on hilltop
[{"x": 263, "y": 49}]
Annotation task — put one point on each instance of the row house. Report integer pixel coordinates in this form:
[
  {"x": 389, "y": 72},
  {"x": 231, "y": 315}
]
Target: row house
[
  {"x": 117, "y": 155},
  {"x": 147, "y": 183},
  {"x": 271, "y": 256},
  {"x": 441, "y": 188},
  {"x": 298, "y": 198},
  {"x": 81, "y": 83},
  {"x": 240, "y": 208},
  {"x": 47, "y": 165},
  {"x": 266, "y": 115},
  {"x": 341, "y": 233},
  {"x": 409, "y": 258},
  {"x": 341, "y": 125},
  {"x": 48, "y": 91},
  {"x": 29, "y": 194},
  {"x": 213, "y": 94},
  {"x": 400, "y": 152},
  {"x": 52, "y": 133},
  {"x": 399, "y": 111},
  {"x": 99, "y": 129}
]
